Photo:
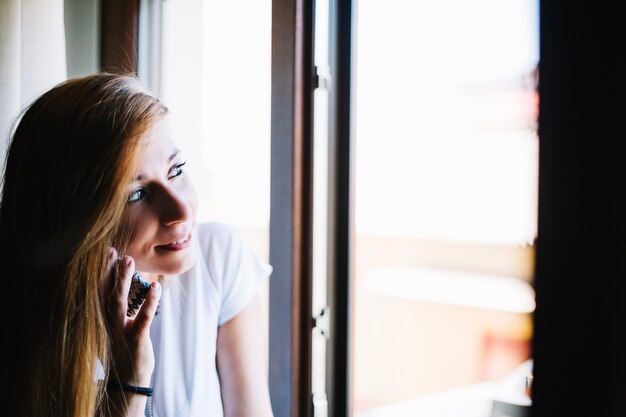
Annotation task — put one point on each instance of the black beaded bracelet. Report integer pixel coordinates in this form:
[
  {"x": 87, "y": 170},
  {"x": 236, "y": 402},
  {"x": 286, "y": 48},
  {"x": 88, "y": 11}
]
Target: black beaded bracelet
[{"x": 147, "y": 391}]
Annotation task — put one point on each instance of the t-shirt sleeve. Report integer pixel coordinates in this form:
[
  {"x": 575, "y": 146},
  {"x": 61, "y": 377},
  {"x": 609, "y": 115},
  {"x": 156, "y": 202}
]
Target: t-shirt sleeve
[{"x": 243, "y": 273}]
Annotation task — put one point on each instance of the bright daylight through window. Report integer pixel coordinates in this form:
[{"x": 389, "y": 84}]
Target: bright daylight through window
[{"x": 446, "y": 204}]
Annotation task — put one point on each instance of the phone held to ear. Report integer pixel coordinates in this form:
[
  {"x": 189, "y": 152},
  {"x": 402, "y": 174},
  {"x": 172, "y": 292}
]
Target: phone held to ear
[{"x": 138, "y": 291}]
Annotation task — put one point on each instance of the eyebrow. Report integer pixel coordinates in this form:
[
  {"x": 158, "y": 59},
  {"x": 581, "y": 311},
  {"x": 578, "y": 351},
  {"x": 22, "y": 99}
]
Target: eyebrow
[
  {"x": 169, "y": 159},
  {"x": 173, "y": 155}
]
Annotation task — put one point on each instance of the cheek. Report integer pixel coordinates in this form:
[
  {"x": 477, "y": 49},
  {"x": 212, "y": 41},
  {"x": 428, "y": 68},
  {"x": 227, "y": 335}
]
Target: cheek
[
  {"x": 141, "y": 232},
  {"x": 194, "y": 205},
  {"x": 191, "y": 196}
]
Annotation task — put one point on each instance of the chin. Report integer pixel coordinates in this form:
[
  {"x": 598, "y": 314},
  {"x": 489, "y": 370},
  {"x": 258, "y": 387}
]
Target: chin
[
  {"x": 182, "y": 265},
  {"x": 173, "y": 264}
]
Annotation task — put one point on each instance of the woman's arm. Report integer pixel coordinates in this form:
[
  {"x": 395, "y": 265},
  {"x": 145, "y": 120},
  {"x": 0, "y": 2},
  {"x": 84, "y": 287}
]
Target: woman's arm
[{"x": 241, "y": 364}]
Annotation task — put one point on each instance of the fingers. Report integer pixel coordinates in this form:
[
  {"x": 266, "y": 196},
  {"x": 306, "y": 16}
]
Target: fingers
[
  {"x": 109, "y": 279},
  {"x": 118, "y": 303},
  {"x": 148, "y": 308},
  {"x": 119, "y": 300}
]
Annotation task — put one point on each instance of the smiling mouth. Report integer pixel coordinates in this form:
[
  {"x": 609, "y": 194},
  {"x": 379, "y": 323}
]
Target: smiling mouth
[{"x": 177, "y": 245}]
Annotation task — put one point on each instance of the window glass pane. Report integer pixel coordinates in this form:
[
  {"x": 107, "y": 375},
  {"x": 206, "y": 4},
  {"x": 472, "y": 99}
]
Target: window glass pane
[
  {"x": 446, "y": 203},
  {"x": 215, "y": 77}
]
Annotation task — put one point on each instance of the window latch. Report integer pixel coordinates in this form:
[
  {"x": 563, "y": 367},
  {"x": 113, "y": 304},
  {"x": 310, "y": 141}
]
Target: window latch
[
  {"x": 321, "y": 322},
  {"x": 320, "y": 404},
  {"x": 322, "y": 78}
]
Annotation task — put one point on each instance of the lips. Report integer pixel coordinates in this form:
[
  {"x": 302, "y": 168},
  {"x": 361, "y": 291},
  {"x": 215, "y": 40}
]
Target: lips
[{"x": 179, "y": 243}]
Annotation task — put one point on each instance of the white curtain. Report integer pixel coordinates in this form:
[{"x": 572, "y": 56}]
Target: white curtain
[{"x": 32, "y": 56}]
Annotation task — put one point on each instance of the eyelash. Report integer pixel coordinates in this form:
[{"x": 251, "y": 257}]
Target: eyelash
[
  {"x": 140, "y": 193},
  {"x": 178, "y": 169}
]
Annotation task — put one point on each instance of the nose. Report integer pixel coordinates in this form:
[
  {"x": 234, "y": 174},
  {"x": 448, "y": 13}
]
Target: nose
[{"x": 174, "y": 207}]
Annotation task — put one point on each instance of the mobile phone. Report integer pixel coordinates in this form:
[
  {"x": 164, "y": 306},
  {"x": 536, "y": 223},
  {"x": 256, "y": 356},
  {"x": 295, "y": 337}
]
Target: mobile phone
[{"x": 138, "y": 291}]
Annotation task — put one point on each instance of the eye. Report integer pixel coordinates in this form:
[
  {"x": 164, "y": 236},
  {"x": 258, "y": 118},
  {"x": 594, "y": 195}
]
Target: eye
[
  {"x": 137, "y": 195},
  {"x": 176, "y": 170}
]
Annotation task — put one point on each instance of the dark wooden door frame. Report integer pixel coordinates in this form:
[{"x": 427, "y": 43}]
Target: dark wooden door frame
[{"x": 569, "y": 279}]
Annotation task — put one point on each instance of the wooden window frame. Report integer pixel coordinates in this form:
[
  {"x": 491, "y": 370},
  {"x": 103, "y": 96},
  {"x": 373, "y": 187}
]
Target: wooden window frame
[
  {"x": 291, "y": 247},
  {"x": 119, "y": 39}
]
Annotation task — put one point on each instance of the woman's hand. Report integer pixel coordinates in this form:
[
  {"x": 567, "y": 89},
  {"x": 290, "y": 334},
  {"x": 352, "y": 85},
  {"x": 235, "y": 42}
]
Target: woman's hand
[{"x": 132, "y": 354}]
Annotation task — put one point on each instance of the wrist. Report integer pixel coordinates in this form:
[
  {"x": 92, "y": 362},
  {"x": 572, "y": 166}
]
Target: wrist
[
  {"x": 130, "y": 388},
  {"x": 137, "y": 377},
  {"x": 124, "y": 403}
]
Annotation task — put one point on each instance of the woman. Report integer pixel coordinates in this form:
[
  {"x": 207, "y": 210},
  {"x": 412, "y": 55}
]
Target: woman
[{"x": 94, "y": 189}]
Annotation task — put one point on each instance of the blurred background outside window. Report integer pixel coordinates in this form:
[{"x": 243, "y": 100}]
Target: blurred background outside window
[{"x": 446, "y": 195}]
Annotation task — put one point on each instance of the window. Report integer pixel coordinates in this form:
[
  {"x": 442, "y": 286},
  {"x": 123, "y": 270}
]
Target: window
[
  {"x": 220, "y": 107},
  {"x": 507, "y": 244}
]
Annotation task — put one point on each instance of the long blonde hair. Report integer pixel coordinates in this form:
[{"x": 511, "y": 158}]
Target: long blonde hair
[{"x": 71, "y": 158}]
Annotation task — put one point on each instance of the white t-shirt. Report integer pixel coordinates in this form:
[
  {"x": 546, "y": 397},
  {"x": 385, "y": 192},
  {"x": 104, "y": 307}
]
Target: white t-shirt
[{"x": 224, "y": 279}]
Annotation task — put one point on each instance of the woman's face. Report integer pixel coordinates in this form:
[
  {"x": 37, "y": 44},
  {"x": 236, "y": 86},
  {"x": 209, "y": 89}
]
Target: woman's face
[{"x": 161, "y": 207}]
